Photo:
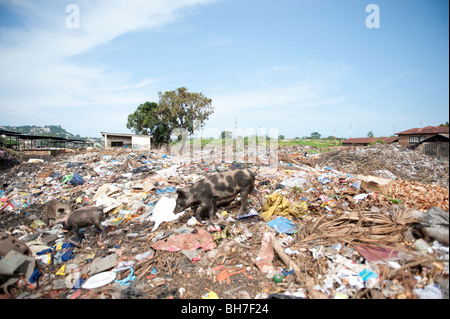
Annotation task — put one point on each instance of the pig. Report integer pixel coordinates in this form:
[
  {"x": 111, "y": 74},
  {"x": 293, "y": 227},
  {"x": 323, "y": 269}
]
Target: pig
[
  {"x": 54, "y": 210},
  {"x": 83, "y": 217},
  {"x": 217, "y": 190}
]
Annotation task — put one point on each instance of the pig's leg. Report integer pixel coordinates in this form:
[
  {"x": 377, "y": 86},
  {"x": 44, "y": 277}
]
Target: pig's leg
[
  {"x": 258, "y": 196},
  {"x": 212, "y": 211},
  {"x": 206, "y": 208},
  {"x": 197, "y": 212},
  {"x": 244, "y": 201},
  {"x": 99, "y": 227},
  {"x": 75, "y": 230}
]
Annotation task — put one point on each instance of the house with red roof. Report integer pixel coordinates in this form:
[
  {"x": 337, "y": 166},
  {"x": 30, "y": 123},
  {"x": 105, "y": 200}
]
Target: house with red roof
[
  {"x": 364, "y": 141},
  {"x": 417, "y": 135}
]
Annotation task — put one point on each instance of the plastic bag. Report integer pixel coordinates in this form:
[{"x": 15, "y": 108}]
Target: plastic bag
[
  {"x": 283, "y": 225},
  {"x": 163, "y": 212},
  {"x": 280, "y": 205},
  {"x": 202, "y": 239}
]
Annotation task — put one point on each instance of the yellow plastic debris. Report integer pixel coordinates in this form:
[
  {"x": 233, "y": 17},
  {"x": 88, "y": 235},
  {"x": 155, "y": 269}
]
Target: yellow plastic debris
[
  {"x": 210, "y": 295},
  {"x": 280, "y": 205},
  {"x": 61, "y": 270}
]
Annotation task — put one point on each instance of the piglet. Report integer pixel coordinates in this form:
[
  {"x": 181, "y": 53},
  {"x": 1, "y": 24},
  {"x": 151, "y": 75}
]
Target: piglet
[
  {"x": 84, "y": 217},
  {"x": 217, "y": 190}
]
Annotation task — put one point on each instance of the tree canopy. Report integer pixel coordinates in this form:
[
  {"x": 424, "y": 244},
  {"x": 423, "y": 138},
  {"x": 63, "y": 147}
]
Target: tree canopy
[{"x": 178, "y": 109}]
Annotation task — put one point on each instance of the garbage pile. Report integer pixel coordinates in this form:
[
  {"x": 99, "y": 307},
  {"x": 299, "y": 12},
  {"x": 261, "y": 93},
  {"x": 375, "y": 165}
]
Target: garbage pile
[
  {"x": 102, "y": 224},
  {"x": 390, "y": 161}
]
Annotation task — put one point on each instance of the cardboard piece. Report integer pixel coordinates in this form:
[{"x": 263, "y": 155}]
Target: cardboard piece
[{"x": 377, "y": 184}]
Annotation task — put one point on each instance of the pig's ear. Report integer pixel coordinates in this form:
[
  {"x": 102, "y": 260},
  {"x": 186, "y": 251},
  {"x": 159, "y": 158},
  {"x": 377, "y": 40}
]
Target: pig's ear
[{"x": 181, "y": 193}]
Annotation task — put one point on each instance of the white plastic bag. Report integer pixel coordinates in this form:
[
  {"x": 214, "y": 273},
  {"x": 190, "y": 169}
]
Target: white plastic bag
[{"x": 163, "y": 212}]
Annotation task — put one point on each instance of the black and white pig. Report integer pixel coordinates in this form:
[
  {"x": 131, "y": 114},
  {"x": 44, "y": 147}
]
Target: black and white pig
[{"x": 217, "y": 190}]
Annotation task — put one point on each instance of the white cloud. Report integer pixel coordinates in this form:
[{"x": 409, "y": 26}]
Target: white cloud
[
  {"x": 293, "y": 110},
  {"x": 37, "y": 70},
  {"x": 294, "y": 98},
  {"x": 299, "y": 96}
]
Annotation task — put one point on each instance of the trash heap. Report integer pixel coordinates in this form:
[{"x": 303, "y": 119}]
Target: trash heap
[
  {"x": 391, "y": 161},
  {"x": 323, "y": 232}
]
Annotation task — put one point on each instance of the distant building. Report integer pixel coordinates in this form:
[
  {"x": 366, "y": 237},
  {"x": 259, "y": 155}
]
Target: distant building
[
  {"x": 364, "y": 141},
  {"x": 436, "y": 145},
  {"x": 417, "y": 135},
  {"x": 131, "y": 141}
]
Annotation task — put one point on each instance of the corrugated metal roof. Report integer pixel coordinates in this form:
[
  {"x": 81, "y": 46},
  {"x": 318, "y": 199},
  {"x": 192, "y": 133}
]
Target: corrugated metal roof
[
  {"x": 425, "y": 130},
  {"x": 124, "y": 134}
]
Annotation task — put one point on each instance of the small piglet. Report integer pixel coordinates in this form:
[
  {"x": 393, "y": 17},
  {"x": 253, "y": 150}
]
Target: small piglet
[
  {"x": 217, "y": 190},
  {"x": 84, "y": 217}
]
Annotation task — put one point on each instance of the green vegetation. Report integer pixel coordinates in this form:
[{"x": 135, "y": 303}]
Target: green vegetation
[
  {"x": 48, "y": 130},
  {"x": 378, "y": 141},
  {"x": 176, "y": 112},
  {"x": 321, "y": 143}
]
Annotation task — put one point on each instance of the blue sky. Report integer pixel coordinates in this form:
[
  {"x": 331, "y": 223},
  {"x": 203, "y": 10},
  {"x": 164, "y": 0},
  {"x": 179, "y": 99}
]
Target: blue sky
[{"x": 298, "y": 66}]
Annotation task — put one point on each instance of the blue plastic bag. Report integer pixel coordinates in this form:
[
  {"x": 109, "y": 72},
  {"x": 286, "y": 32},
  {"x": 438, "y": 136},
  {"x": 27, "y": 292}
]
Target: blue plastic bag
[
  {"x": 283, "y": 225},
  {"x": 76, "y": 180}
]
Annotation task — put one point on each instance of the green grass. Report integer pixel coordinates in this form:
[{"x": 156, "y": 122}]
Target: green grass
[
  {"x": 313, "y": 143},
  {"x": 320, "y": 144}
]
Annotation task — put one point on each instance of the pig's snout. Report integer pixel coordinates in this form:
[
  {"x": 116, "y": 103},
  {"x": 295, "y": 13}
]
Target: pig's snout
[{"x": 178, "y": 209}]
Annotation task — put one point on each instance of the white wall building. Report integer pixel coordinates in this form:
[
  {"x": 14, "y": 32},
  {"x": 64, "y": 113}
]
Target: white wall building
[{"x": 132, "y": 141}]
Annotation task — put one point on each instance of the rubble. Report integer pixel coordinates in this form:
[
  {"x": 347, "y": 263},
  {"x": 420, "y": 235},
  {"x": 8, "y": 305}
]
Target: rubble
[
  {"x": 391, "y": 161},
  {"x": 352, "y": 224}
]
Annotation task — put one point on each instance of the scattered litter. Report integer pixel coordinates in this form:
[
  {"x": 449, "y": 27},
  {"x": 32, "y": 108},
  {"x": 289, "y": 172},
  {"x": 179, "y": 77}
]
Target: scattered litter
[
  {"x": 265, "y": 256},
  {"x": 276, "y": 204},
  {"x": 202, "y": 239},
  {"x": 251, "y": 213},
  {"x": 225, "y": 274},
  {"x": 99, "y": 280},
  {"x": 429, "y": 292},
  {"x": 277, "y": 278},
  {"x": 210, "y": 295},
  {"x": 163, "y": 212},
  {"x": 283, "y": 225},
  {"x": 377, "y": 184},
  {"x": 364, "y": 223}
]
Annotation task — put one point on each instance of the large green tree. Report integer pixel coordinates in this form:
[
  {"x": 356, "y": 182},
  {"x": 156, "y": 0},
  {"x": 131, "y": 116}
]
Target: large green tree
[
  {"x": 186, "y": 110},
  {"x": 149, "y": 120},
  {"x": 178, "y": 109}
]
